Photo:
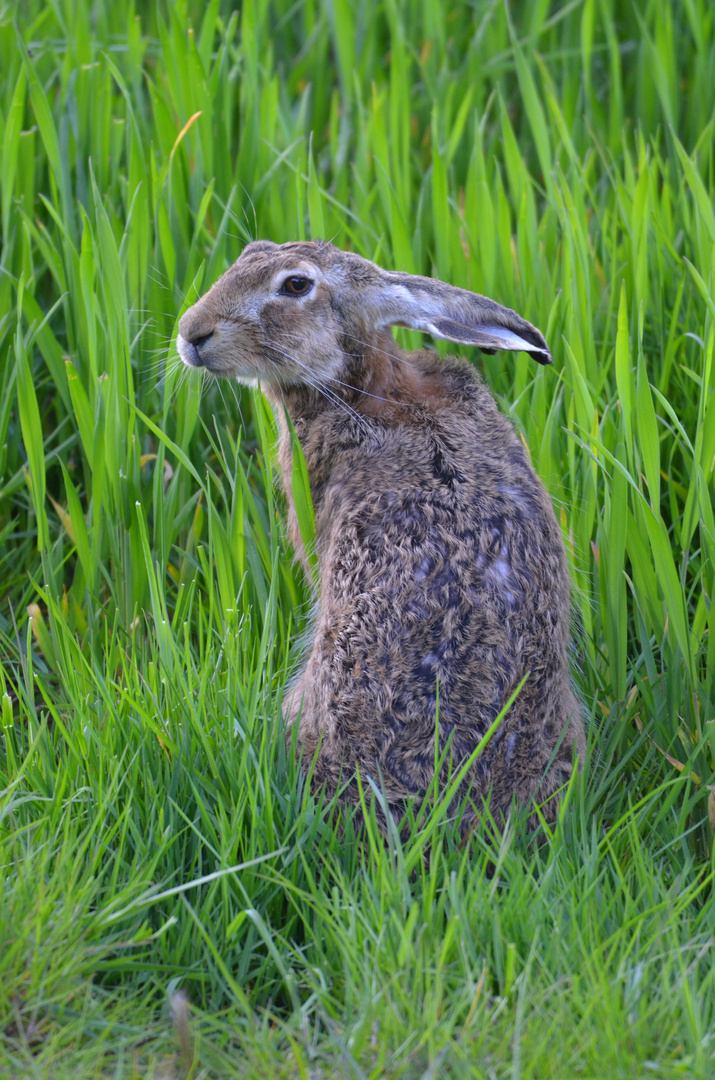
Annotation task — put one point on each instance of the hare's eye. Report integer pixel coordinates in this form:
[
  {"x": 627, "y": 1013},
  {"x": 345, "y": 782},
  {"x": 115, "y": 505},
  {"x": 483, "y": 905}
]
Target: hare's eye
[{"x": 297, "y": 286}]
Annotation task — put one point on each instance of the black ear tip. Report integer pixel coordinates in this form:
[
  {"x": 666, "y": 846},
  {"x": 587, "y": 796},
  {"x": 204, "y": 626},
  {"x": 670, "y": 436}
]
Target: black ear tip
[{"x": 540, "y": 352}]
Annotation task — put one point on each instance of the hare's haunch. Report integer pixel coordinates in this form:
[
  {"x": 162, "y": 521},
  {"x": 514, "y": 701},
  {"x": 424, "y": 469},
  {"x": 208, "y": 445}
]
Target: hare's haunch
[{"x": 442, "y": 569}]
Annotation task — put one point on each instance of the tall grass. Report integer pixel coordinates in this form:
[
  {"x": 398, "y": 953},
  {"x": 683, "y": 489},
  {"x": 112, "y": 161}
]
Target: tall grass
[{"x": 156, "y": 834}]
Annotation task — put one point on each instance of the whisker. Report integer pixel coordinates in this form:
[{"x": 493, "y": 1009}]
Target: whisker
[
  {"x": 234, "y": 391},
  {"x": 152, "y": 370},
  {"x": 366, "y": 393},
  {"x": 330, "y": 395},
  {"x": 369, "y": 345},
  {"x": 219, "y": 387},
  {"x": 157, "y": 363},
  {"x": 351, "y": 386},
  {"x": 159, "y": 350},
  {"x": 335, "y": 399},
  {"x": 184, "y": 376}
]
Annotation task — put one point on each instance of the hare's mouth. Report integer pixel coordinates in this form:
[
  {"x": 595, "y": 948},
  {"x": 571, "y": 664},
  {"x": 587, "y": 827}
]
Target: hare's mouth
[
  {"x": 202, "y": 352},
  {"x": 190, "y": 351},
  {"x": 210, "y": 353}
]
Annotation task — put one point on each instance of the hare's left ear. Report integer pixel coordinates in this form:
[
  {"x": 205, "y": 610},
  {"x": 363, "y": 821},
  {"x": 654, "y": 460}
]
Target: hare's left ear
[{"x": 457, "y": 315}]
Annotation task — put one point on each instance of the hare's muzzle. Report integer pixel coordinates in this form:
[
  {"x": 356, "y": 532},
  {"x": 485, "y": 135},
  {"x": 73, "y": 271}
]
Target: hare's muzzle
[
  {"x": 196, "y": 328},
  {"x": 190, "y": 349}
]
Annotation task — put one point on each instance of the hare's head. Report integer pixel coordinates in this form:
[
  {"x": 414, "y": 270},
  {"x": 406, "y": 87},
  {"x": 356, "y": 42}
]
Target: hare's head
[{"x": 296, "y": 313}]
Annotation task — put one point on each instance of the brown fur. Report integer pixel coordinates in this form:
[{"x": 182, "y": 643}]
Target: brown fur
[{"x": 442, "y": 567}]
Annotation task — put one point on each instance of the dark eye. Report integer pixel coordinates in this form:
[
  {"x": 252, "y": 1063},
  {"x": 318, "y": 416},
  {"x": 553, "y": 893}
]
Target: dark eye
[{"x": 297, "y": 286}]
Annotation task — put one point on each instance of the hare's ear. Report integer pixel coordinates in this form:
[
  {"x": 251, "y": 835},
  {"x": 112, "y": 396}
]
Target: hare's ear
[{"x": 457, "y": 315}]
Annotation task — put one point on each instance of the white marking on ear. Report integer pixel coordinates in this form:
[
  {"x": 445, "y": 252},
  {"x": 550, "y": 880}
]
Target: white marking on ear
[
  {"x": 511, "y": 340},
  {"x": 507, "y": 338},
  {"x": 454, "y": 314}
]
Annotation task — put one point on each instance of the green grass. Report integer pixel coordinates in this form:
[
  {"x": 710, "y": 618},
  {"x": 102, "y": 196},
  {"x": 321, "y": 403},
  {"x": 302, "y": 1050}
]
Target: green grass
[{"x": 157, "y": 843}]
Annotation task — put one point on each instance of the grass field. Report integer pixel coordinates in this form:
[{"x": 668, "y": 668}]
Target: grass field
[{"x": 174, "y": 902}]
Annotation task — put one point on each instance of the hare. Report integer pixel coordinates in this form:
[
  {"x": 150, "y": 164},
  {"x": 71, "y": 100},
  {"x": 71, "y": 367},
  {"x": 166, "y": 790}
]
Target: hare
[{"x": 443, "y": 577}]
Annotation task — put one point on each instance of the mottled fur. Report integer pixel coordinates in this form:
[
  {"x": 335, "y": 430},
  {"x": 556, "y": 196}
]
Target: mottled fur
[{"x": 441, "y": 561}]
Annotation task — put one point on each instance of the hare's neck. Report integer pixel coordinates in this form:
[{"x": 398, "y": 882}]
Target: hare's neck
[
  {"x": 300, "y": 413},
  {"x": 348, "y": 393},
  {"x": 329, "y": 421}
]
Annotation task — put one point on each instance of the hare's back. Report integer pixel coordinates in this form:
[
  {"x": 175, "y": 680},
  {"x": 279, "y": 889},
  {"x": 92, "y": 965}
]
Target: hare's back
[{"x": 447, "y": 583}]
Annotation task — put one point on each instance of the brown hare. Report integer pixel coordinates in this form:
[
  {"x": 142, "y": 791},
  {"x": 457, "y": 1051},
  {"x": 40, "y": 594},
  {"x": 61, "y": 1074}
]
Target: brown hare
[{"x": 443, "y": 578}]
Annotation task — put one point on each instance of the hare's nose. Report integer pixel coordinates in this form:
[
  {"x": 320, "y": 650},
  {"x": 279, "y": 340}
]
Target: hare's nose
[
  {"x": 197, "y": 342},
  {"x": 190, "y": 351},
  {"x": 196, "y": 325}
]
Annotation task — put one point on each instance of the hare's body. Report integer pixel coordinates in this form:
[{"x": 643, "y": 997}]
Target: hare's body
[{"x": 443, "y": 580}]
